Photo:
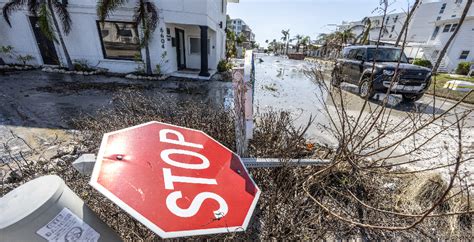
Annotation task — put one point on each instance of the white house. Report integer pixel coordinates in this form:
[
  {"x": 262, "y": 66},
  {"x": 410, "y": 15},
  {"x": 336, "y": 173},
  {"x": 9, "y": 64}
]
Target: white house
[
  {"x": 444, "y": 21},
  {"x": 175, "y": 45},
  {"x": 430, "y": 28}
]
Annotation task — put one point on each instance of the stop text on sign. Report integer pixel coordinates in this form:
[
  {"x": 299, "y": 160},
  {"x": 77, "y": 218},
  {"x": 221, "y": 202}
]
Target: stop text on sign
[{"x": 175, "y": 137}]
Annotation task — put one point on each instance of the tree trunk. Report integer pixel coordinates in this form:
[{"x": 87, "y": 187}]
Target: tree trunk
[
  {"x": 407, "y": 21},
  {"x": 60, "y": 37},
  {"x": 147, "y": 50},
  {"x": 446, "y": 46},
  {"x": 148, "y": 60}
]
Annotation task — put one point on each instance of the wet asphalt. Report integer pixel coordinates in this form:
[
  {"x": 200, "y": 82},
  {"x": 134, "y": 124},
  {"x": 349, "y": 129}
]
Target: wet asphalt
[{"x": 45, "y": 100}]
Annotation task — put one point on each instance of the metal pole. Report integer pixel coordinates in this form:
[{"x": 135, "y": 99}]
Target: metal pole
[{"x": 85, "y": 163}]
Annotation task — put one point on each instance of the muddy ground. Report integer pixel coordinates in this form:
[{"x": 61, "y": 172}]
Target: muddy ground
[{"x": 39, "y": 106}]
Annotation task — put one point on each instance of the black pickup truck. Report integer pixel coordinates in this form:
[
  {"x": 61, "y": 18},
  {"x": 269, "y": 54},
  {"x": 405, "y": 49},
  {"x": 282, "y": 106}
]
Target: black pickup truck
[{"x": 372, "y": 70}]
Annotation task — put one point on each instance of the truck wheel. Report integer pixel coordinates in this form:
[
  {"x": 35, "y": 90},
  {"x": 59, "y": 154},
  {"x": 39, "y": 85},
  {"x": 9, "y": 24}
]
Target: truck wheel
[
  {"x": 366, "y": 90},
  {"x": 411, "y": 98},
  {"x": 335, "y": 78}
]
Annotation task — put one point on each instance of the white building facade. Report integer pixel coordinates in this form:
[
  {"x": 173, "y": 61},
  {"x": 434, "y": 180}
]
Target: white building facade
[
  {"x": 430, "y": 28},
  {"x": 115, "y": 45}
]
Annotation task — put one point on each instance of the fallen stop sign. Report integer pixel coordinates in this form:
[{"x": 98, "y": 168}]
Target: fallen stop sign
[{"x": 176, "y": 181}]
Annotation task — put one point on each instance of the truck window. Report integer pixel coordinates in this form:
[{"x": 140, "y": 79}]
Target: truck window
[{"x": 352, "y": 54}]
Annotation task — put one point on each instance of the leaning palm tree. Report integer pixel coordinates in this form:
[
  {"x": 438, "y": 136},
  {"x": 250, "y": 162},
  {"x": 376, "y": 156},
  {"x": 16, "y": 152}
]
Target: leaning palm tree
[
  {"x": 145, "y": 15},
  {"x": 368, "y": 26},
  {"x": 46, "y": 10}
]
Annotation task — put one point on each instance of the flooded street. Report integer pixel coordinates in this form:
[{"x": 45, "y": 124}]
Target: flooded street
[{"x": 282, "y": 84}]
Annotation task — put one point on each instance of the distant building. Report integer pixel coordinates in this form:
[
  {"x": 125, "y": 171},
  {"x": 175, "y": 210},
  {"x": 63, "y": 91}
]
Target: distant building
[
  {"x": 238, "y": 26},
  {"x": 429, "y": 30}
]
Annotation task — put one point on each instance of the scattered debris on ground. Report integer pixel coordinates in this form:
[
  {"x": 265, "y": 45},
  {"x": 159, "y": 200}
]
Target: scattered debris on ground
[{"x": 288, "y": 207}]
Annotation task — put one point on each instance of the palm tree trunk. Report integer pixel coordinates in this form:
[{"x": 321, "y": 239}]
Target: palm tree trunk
[
  {"x": 60, "y": 37},
  {"x": 446, "y": 46},
  {"x": 147, "y": 49},
  {"x": 407, "y": 21},
  {"x": 148, "y": 60}
]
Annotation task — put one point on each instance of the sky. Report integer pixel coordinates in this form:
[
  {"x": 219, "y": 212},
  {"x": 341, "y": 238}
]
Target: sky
[{"x": 306, "y": 17}]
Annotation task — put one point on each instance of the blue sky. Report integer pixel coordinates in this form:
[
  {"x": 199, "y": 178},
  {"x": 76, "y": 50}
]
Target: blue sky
[{"x": 308, "y": 17}]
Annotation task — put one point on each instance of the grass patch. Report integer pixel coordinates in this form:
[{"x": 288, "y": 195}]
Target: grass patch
[{"x": 441, "y": 80}]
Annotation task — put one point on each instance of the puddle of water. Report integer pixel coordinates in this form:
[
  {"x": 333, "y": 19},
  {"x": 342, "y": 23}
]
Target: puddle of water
[{"x": 281, "y": 84}]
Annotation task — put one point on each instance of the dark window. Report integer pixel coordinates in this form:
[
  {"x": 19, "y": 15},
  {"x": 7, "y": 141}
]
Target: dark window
[
  {"x": 393, "y": 28},
  {"x": 447, "y": 27},
  {"x": 195, "y": 44},
  {"x": 352, "y": 54},
  {"x": 464, "y": 54},
  {"x": 435, "y": 33},
  {"x": 438, "y": 18},
  {"x": 345, "y": 53},
  {"x": 120, "y": 40},
  {"x": 458, "y": 1},
  {"x": 388, "y": 19},
  {"x": 454, "y": 27},
  {"x": 386, "y": 55},
  {"x": 395, "y": 19},
  {"x": 443, "y": 7},
  {"x": 360, "y": 54}
]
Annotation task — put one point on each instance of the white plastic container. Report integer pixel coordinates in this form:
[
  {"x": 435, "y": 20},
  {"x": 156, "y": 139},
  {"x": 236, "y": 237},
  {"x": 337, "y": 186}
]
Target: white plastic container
[{"x": 47, "y": 207}]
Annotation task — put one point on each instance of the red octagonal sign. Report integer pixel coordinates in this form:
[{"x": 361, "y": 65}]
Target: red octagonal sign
[{"x": 176, "y": 181}]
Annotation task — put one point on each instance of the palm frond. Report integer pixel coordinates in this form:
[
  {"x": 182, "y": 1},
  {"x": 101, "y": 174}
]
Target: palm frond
[
  {"x": 106, "y": 7},
  {"x": 10, "y": 7},
  {"x": 33, "y": 6},
  {"x": 63, "y": 14},
  {"x": 44, "y": 22},
  {"x": 146, "y": 14}
]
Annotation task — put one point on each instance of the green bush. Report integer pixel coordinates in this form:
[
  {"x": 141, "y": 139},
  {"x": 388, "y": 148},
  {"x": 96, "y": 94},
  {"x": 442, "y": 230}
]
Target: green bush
[
  {"x": 422, "y": 62},
  {"x": 82, "y": 65},
  {"x": 463, "y": 68},
  {"x": 224, "y": 66}
]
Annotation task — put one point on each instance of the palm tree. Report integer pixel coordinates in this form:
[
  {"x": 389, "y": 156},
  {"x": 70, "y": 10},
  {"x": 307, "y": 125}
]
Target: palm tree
[
  {"x": 46, "y": 10},
  {"x": 286, "y": 38},
  {"x": 241, "y": 39},
  {"x": 145, "y": 14},
  {"x": 345, "y": 36},
  {"x": 364, "y": 37},
  {"x": 231, "y": 49},
  {"x": 274, "y": 45},
  {"x": 298, "y": 39},
  {"x": 305, "y": 42}
]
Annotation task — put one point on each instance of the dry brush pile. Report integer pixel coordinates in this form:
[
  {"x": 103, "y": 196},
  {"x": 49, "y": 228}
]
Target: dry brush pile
[{"x": 350, "y": 198}]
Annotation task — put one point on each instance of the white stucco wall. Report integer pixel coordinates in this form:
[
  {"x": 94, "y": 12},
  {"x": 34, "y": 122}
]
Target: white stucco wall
[{"x": 83, "y": 42}]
